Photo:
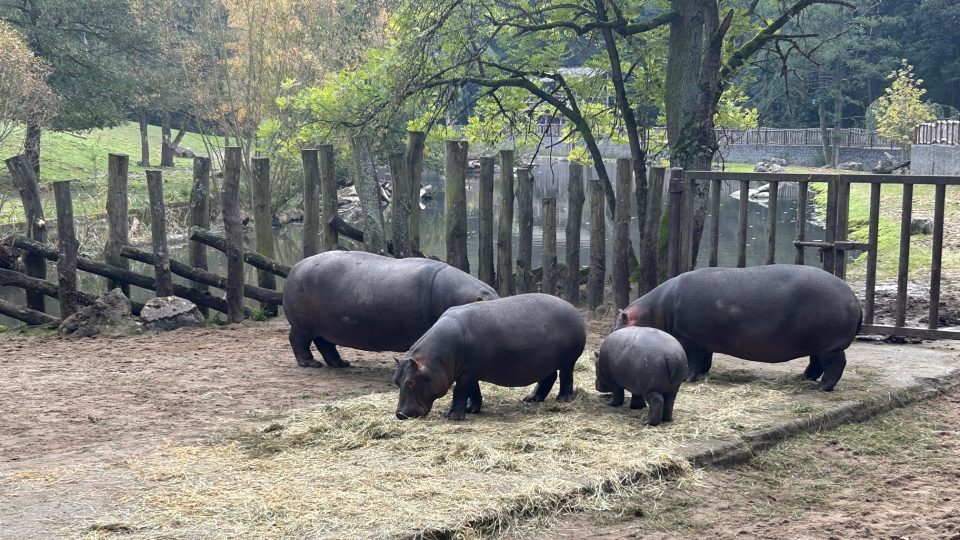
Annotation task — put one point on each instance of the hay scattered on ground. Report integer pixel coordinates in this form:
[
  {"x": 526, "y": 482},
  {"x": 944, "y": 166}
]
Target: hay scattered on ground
[{"x": 351, "y": 470}]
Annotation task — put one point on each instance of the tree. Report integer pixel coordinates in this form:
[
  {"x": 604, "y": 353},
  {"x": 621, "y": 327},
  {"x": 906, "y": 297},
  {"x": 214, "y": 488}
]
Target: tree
[
  {"x": 24, "y": 94},
  {"x": 900, "y": 109}
]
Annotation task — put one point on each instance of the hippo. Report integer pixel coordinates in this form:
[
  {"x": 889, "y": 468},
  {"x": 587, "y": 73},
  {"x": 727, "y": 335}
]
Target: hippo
[
  {"x": 649, "y": 363},
  {"x": 369, "y": 302},
  {"x": 515, "y": 341},
  {"x": 771, "y": 313}
]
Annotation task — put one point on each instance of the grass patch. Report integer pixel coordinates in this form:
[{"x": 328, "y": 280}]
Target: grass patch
[{"x": 82, "y": 158}]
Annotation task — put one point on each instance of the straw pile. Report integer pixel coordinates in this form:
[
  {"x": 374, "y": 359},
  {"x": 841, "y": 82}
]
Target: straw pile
[{"x": 351, "y": 470}]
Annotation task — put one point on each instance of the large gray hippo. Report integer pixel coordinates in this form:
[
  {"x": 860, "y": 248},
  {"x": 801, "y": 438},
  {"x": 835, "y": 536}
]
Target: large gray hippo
[
  {"x": 515, "y": 341},
  {"x": 769, "y": 313},
  {"x": 650, "y": 363},
  {"x": 369, "y": 302}
]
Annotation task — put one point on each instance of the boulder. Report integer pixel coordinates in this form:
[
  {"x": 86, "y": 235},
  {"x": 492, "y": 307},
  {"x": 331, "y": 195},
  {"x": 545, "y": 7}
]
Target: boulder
[
  {"x": 778, "y": 161},
  {"x": 851, "y": 166},
  {"x": 184, "y": 152},
  {"x": 109, "y": 316},
  {"x": 169, "y": 313},
  {"x": 767, "y": 167}
]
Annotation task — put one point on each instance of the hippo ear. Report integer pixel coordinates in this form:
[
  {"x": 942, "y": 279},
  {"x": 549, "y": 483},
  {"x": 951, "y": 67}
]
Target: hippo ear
[
  {"x": 623, "y": 319},
  {"x": 596, "y": 354},
  {"x": 416, "y": 363},
  {"x": 396, "y": 360}
]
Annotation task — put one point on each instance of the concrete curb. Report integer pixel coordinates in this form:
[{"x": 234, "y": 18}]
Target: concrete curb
[{"x": 725, "y": 454}]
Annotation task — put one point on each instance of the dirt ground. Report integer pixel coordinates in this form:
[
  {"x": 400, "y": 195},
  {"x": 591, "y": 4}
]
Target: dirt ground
[
  {"x": 93, "y": 405},
  {"x": 895, "y": 477}
]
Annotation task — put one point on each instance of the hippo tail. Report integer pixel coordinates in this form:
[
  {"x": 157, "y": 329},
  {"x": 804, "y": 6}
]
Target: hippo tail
[{"x": 859, "y": 322}]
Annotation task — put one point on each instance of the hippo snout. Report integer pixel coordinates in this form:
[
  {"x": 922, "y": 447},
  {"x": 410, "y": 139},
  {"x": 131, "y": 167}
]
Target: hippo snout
[{"x": 401, "y": 416}]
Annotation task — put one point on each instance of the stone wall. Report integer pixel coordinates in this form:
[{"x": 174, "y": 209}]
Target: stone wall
[
  {"x": 809, "y": 156},
  {"x": 935, "y": 159}
]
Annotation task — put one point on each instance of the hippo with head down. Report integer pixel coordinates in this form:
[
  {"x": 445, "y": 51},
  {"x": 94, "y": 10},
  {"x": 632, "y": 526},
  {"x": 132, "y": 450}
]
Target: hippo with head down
[
  {"x": 515, "y": 341},
  {"x": 771, "y": 313},
  {"x": 369, "y": 302}
]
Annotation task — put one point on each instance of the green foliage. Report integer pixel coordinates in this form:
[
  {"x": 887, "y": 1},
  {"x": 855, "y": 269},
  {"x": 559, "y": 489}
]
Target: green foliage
[
  {"x": 900, "y": 109},
  {"x": 260, "y": 314}
]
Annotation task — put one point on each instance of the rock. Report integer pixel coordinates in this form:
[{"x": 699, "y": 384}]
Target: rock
[
  {"x": 427, "y": 192},
  {"x": 921, "y": 226},
  {"x": 852, "y": 166},
  {"x": 169, "y": 313},
  {"x": 778, "y": 161},
  {"x": 767, "y": 167},
  {"x": 184, "y": 152},
  {"x": 109, "y": 316}
]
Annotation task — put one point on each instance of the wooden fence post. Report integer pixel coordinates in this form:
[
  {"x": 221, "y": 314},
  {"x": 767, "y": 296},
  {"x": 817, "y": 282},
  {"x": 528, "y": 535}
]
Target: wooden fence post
[
  {"x": 524, "y": 277},
  {"x": 621, "y": 237},
  {"x": 455, "y": 204},
  {"x": 25, "y": 180},
  {"x": 414, "y": 168},
  {"x": 368, "y": 191},
  {"x": 200, "y": 217},
  {"x": 158, "y": 228},
  {"x": 118, "y": 210},
  {"x": 68, "y": 247},
  {"x": 264, "y": 226},
  {"x": 485, "y": 256},
  {"x": 328, "y": 198},
  {"x": 549, "y": 254},
  {"x": 233, "y": 230},
  {"x": 649, "y": 253},
  {"x": 311, "y": 203},
  {"x": 505, "y": 229},
  {"x": 742, "y": 224},
  {"x": 676, "y": 222},
  {"x": 598, "y": 242},
  {"x": 574, "y": 219},
  {"x": 401, "y": 204}
]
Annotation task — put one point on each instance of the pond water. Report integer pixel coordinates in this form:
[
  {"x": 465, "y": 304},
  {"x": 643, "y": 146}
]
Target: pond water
[{"x": 550, "y": 179}]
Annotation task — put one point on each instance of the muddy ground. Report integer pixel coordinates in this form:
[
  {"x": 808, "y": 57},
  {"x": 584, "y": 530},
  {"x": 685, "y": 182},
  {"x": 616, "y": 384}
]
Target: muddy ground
[{"x": 93, "y": 405}]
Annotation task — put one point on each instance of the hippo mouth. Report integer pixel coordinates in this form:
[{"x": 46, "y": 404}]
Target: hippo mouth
[{"x": 406, "y": 415}]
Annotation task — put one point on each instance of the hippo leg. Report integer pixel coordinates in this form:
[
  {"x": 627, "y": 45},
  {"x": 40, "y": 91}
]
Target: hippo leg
[
  {"x": 637, "y": 401},
  {"x": 655, "y": 412},
  {"x": 301, "y": 350},
  {"x": 329, "y": 353},
  {"x": 542, "y": 389},
  {"x": 833, "y": 364},
  {"x": 814, "y": 368},
  {"x": 474, "y": 399},
  {"x": 668, "y": 401},
  {"x": 461, "y": 392},
  {"x": 566, "y": 384},
  {"x": 699, "y": 360},
  {"x": 616, "y": 398}
]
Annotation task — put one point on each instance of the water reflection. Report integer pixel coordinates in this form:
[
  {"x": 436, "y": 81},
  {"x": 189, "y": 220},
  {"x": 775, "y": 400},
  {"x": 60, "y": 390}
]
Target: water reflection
[{"x": 550, "y": 179}]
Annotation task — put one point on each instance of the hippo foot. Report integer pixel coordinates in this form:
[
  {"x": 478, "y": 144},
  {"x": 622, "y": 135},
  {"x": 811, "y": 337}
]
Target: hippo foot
[
  {"x": 533, "y": 398},
  {"x": 473, "y": 408},
  {"x": 340, "y": 363},
  {"x": 566, "y": 398},
  {"x": 637, "y": 402},
  {"x": 309, "y": 364},
  {"x": 694, "y": 377},
  {"x": 455, "y": 415},
  {"x": 825, "y": 387}
]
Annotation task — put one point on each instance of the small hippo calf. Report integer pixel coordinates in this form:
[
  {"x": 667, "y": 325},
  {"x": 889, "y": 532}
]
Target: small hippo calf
[
  {"x": 515, "y": 341},
  {"x": 649, "y": 363}
]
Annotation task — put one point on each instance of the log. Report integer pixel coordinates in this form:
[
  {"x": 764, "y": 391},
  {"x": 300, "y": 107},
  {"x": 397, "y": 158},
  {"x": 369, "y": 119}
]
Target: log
[
  {"x": 505, "y": 285},
  {"x": 30, "y": 316},
  {"x": 400, "y": 213},
  {"x": 68, "y": 247},
  {"x": 368, "y": 191},
  {"x": 253, "y": 259},
  {"x": 455, "y": 204},
  {"x": 575, "y": 200},
  {"x": 198, "y": 275},
  {"x": 12, "y": 278},
  {"x": 328, "y": 197},
  {"x": 118, "y": 210},
  {"x": 621, "y": 237},
  {"x": 199, "y": 216},
  {"x": 311, "y": 202},
  {"x": 264, "y": 228},
  {"x": 413, "y": 156},
  {"x": 524, "y": 277},
  {"x": 233, "y": 232},
  {"x": 25, "y": 180},
  {"x": 549, "y": 253},
  {"x": 158, "y": 228},
  {"x": 485, "y": 270},
  {"x": 598, "y": 242},
  {"x": 118, "y": 274}
]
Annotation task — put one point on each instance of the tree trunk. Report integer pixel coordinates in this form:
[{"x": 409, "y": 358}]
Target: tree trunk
[
  {"x": 368, "y": 190},
  {"x": 144, "y": 140},
  {"x": 31, "y": 146},
  {"x": 169, "y": 144}
]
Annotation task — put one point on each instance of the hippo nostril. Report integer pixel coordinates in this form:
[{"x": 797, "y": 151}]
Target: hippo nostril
[{"x": 401, "y": 416}]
